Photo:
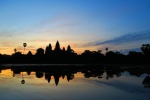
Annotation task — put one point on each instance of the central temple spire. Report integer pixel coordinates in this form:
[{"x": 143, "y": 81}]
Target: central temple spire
[{"x": 57, "y": 46}]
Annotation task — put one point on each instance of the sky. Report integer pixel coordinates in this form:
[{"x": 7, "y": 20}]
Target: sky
[{"x": 120, "y": 25}]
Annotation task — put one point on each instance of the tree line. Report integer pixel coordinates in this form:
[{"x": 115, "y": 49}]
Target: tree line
[{"x": 68, "y": 56}]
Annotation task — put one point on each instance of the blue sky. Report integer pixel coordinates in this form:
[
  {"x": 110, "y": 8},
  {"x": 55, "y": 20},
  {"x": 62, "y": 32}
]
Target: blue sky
[{"x": 84, "y": 24}]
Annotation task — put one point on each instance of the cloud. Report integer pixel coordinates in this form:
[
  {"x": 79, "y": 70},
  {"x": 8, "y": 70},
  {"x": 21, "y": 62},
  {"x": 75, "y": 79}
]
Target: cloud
[
  {"x": 53, "y": 23},
  {"x": 125, "y": 39},
  {"x": 6, "y": 34}
]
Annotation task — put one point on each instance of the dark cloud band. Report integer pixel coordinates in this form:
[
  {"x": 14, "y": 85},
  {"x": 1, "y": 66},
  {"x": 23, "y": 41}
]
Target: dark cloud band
[{"x": 126, "y": 38}]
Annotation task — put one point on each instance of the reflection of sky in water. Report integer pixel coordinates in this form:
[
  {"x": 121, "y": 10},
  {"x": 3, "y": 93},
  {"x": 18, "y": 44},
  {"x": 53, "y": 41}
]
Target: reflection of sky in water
[{"x": 124, "y": 87}]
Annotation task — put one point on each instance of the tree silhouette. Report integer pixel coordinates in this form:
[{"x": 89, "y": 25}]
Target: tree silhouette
[
  {"x": 17, "y": 54},
  {"x": 146, "y": 49},
  {"x": 106, "y": 49},
  {"x": 40, "y": 51},
  {"x": 100, "y": 51},
  {"x": 15, "y": 50},
  {"x": 24, "y": 45},
  {"x": 68, "y": 55},
  {"x": 29, "y": 53}
]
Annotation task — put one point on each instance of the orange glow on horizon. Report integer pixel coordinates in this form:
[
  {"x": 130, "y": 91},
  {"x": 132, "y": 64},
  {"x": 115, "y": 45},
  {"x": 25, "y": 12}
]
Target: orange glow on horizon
[{"x": 76, "y": 48}]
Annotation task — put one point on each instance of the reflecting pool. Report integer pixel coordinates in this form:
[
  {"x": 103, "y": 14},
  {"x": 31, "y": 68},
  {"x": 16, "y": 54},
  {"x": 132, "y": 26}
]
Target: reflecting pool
[{"x": 74, "y": 82}]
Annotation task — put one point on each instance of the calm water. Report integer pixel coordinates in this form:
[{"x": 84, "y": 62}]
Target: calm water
[{"x": 73, "y": 83}]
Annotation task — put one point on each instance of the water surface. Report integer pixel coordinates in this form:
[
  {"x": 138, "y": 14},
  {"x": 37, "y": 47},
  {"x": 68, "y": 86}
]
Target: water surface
[{"x": 74, "y": 83}]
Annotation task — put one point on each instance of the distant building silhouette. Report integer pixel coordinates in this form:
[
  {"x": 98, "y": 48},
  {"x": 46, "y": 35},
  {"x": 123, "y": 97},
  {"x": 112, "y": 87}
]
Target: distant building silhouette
[
  {"x": 69, "y": 50},
  {"x": 57, "y": 47},
  {"x": 48, "y": 50}
]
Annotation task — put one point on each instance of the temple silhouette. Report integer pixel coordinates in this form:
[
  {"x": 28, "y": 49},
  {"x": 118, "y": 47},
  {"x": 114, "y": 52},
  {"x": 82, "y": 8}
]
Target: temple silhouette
[{"x": 59, "y": 55}]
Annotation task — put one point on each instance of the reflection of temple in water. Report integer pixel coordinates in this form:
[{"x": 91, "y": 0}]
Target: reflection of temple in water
[
  {"x": 57, "y": 76},
  {"x": 67, "y": 72},
  {"x": 44, "y": 73}
]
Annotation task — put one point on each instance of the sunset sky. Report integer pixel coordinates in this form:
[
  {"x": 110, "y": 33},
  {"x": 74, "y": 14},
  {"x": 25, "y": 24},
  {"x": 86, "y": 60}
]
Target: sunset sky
[{"x": 84, "y": 24}]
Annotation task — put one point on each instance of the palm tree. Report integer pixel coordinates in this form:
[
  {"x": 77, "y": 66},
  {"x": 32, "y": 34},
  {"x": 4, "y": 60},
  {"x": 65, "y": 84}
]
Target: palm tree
[
  {"x": 24, "y": 44},
  {"x": 15, "y": 50},
  {"x": 106, "y": 49},
  {"x": 99, "y": 51}
]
